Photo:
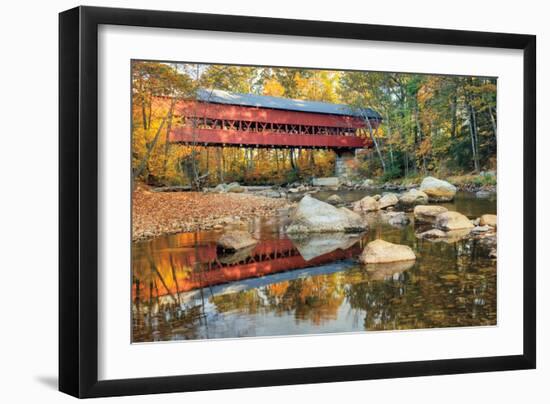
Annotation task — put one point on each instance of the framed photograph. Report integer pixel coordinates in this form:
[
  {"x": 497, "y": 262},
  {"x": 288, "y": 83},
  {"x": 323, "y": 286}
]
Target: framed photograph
[{"x": 251, "y": 201}]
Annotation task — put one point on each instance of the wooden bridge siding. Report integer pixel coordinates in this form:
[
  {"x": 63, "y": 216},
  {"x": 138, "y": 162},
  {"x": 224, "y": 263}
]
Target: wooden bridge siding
[
  {"x": 266, "y": 115},
  {"x": 189, "y": 135}
]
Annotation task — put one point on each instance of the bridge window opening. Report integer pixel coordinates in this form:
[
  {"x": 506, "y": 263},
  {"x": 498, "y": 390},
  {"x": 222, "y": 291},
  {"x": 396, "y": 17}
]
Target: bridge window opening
[{"x": 256, "y": 126}]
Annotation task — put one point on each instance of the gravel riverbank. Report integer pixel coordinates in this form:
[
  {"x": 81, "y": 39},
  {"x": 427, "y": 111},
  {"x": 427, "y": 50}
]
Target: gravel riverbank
[{"x": 158, "y": 213}]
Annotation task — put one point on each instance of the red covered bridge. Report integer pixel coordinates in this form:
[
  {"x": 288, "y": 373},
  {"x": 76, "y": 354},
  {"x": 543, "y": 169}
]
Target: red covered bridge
[{"x": 221, "y": 118}]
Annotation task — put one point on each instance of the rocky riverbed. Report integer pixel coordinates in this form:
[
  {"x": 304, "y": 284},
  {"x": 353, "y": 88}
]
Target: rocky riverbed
[
  {"x": 310, "y": 283},
  {"x": 169, "y": 210}
]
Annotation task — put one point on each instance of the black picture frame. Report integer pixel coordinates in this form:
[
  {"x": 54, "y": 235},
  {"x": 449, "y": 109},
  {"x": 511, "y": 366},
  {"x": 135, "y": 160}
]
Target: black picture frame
[{"x": 78, "y": 201}]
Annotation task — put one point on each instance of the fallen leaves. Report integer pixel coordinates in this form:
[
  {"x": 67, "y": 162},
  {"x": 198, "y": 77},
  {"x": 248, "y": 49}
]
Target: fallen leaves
[{"x": 158, "y": 213}]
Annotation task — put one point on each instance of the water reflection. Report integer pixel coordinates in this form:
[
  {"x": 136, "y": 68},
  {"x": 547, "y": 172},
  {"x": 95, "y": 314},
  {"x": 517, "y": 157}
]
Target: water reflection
[
  {"x": 311, "y": 246},
  {"x": 387, "y": 271},
  {"x": 183, "y": 289}
]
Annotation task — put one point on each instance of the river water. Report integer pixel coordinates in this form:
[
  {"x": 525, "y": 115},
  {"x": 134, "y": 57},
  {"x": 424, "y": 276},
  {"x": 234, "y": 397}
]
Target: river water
[{"x": 183, "y": 289}]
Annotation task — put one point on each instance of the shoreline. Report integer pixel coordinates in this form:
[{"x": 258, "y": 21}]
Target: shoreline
[
  {"x": 466, "y": 182},
  {"x": 156, "y": 213},
  {"x": 163, "y": 213}
]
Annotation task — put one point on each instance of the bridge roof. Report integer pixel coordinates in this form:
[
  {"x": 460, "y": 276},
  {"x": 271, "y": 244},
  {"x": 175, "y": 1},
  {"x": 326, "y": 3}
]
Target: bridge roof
[{"x": 288, "y": 104}]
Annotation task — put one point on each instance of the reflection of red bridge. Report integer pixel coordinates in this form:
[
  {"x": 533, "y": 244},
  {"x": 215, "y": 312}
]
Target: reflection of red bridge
[
  {"x": 267, "y": 257},
  {"x": 220, "y": 118}
]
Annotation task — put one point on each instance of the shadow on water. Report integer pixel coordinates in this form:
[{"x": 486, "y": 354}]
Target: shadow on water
[{"x": 183, "y": 289}]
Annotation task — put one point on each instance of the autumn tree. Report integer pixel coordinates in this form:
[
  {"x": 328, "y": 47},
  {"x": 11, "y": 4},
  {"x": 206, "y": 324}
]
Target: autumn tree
[{"x": 432, "y": 124}]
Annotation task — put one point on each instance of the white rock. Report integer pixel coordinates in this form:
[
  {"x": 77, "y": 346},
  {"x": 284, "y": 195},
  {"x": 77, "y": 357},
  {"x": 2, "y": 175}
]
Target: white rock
[
  {"x": 388, "y": 200},
  {"x": 433, "y": 233},
  {"x": 438, "y": 190},
  {"x": 413, "y": 197},
  {"x": 452, "y": 221},
  {"x": 397, "y": 218},
  {"x": 326, "y": 182},
  {"x": 235, "y": 187},
  {"x": 314, "y": 216},
  {"x": 380, "y": 251},
  {"x": 480, "y": 229},
  {"x": 367, "y": 183},
  {"x": 367, "y": 204},
  {"x": 488, "y": 220},
  {"x": 428, "y": 213},
  {"x": 220, "y": 188},
  {"x": 448, "y": 237}
]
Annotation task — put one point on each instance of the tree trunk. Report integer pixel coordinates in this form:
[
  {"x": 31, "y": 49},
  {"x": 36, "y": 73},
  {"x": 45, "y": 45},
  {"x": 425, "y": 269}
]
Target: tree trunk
[
  {"x": 476, "y": 135},
  {"x": 473, "y": 139},
  {"x": 293, "y": 160},
  {"x": 143, "y": 114},
  {"x": 453, "y": 115},
  {"x": 150, "y": 110},
  {"x": 388, "y": 125},
  {"x": 420, "y": 135},
  {"x": 220, "y": 164},
  {"x": 168, "y": 130},
  {"x": 373, "y": 137},
  {"x": 493, "y": 122},
  {"x": 207, "y": 159}
]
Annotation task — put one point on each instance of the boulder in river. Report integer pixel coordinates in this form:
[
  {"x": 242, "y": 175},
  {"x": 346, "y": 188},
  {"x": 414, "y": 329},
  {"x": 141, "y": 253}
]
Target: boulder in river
[
  {"x": 220, "y": 188},
  {"x": 334, "y": 199},
  {"x": 438, "y": 190},
  {"x": 448, "y": 237},
  {"x": 388, "y": 200},
  {"x": 315, "y": 216},
  {"x": 380, "y": 251},
  {"x": 488, "y": 220},
  {"x": 413, "y": 197},
  {"x": 480, "y": 229},
  {"x": 235, "y": 187},
  {"x": 326, "y": 182},
  {"x": 236, "y": 240},
  {"x": 367, "y": 183},
  {"x": 356, "y": 223},
  {"x": 428, "y": 213},
  {"x": 432, "y": 234},
  {"x": 367, "y": 204},
  {"x": 452, "y": 221},
  {"x": 397, "y": 218}
]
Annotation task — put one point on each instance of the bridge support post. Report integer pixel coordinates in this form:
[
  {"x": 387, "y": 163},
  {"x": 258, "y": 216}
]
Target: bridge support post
[{"x": 345, "y": 163}]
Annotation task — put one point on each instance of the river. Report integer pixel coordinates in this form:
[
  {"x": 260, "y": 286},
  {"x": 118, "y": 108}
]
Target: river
[{"x": 182, "y": 289}]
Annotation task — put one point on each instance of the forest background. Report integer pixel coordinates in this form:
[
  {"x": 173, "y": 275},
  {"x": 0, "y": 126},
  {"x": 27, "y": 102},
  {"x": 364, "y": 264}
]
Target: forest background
[{"x": 437, "y": 125}]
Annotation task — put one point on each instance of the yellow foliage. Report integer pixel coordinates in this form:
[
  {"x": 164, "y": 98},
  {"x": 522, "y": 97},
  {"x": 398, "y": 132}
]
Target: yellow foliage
[{"x": 273, "y": 88}]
